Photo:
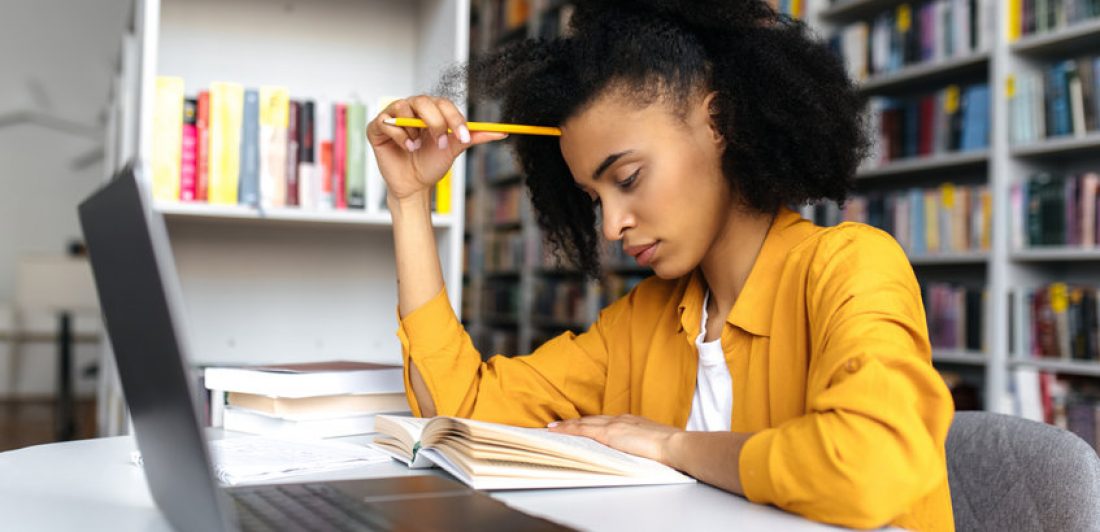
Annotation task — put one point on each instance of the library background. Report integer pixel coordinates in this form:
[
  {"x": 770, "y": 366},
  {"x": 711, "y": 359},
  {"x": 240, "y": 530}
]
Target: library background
[{"x": 986, "y": 169}]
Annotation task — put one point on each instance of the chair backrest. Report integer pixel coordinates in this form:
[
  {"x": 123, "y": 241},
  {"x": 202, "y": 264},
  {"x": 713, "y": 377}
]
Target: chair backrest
[{"x": 1009, "y": 473}]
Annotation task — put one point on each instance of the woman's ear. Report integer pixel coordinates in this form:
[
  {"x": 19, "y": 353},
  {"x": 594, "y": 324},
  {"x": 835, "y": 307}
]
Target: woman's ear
[{"x": 710, "y": 108}]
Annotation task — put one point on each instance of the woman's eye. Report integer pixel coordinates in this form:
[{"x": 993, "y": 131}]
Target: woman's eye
[{"x": 626, "y": 183}]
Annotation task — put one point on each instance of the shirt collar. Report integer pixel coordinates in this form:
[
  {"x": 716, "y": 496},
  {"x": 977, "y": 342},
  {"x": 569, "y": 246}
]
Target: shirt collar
[{"x": 752, "y": 311}]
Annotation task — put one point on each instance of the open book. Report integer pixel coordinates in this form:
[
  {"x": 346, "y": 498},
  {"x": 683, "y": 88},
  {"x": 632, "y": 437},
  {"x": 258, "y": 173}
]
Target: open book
[{"x": 491, "y": 456}]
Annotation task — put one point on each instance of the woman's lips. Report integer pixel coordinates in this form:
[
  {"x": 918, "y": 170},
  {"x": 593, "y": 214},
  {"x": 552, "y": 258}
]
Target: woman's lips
[{"x": 642, "y": 254}]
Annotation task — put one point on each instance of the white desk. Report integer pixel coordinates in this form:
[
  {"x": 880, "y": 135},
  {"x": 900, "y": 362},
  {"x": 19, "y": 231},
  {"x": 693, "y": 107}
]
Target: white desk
[{"x": 91, "y": 485}]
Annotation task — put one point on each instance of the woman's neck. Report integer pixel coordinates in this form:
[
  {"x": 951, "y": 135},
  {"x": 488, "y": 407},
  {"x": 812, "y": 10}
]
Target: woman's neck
[{"x": 727, "y": 265}]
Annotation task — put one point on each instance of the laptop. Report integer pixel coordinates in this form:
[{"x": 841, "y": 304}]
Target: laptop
[{"x": 140, "y": 298}]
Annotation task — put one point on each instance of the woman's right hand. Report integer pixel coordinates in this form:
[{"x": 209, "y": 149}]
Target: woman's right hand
[{"x": 412, "y": 160}]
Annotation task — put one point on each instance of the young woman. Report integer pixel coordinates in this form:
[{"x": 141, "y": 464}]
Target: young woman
[{"x": 767, "y": 356}]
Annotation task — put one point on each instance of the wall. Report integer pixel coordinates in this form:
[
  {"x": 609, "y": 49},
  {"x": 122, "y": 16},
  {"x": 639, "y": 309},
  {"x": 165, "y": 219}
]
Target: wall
[{"x": 57, "y": 57}]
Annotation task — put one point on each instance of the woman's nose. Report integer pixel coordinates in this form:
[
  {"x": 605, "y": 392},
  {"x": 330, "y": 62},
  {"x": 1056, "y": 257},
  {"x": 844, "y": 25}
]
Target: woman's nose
[{"x": 616, "y": 220}]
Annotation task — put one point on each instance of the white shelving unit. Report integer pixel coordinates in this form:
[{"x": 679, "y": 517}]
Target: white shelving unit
[
  {"x": 281, "y": 285},
  {"x": 1002, "y": 270}
]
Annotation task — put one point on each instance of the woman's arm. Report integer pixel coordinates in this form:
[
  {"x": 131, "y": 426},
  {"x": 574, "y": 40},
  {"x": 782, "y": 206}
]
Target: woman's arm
[
  {"x": 412, "y": 161},
  {"x": 711, "y": 457},
  {"x": 419, "y": 274}
]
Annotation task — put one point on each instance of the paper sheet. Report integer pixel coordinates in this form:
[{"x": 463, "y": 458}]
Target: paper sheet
[{"x": 258, "y": 458}]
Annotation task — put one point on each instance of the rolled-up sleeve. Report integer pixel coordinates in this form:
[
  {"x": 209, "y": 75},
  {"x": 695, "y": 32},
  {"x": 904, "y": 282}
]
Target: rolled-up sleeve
[
  {"x": 872, "y": 441},
  {"x": 563, "y": 378}
]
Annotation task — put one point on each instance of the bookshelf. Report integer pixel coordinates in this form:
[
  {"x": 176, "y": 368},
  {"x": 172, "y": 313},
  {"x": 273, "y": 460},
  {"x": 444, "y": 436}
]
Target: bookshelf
[
  {"x": 289, "y": 284},
  {"x": 996, "y": 266},
  {"x": 1005, "y": 269},
  {"x": 507, "y": 279}
]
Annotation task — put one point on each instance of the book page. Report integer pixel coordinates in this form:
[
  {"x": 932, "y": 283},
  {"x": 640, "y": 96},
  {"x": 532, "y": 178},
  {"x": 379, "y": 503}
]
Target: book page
[{"x": 566, "y": 445}]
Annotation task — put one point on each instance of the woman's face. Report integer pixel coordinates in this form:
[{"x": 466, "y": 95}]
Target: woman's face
[{"x": 656, "y": 175}]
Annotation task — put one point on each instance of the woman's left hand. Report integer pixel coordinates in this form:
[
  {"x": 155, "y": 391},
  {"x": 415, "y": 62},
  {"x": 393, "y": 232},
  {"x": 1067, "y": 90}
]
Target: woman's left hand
[{"x": 629, "y": 434}]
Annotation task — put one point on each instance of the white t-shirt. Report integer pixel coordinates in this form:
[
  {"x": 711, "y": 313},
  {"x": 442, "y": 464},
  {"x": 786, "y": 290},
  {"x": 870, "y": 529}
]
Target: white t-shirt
[{"x": 712, "y": 405}]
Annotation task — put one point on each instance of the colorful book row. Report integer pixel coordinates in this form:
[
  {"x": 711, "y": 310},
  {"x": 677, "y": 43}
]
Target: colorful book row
[
  {"x": 1028, "y": 17},
  {"x": 954, "y": 316},
  {"x": 925, "y": 221},
  {"x": 953, "y": 119},
  {"x": 1062, "y": 322},
  {"x": 914, "y": 33},
  {"x": 1056, "y": 210},
  {"x": 1061, "y": 99},
  {"x": 235, "y": 146}
]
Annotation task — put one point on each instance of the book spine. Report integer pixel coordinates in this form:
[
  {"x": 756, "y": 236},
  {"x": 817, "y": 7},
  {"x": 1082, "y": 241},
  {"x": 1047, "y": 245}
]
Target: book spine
[
  {"x": 356, "y": 154},
  {"x": 339, "y": 156},
  {"x": 189, "y": 154},
  {"x": 292, "y": 154},
  {"x": 249, "y": 193},
  {"x": 274, "y": 116},
  {"x": 308, "y": 185},
  {"x": 226, "y": 115},
  {"x": 202, "y": 149},
  {"x": 167, "y": 137},
  {"x": 217, "y": 408},
  {"x": 325, "y": 156}
]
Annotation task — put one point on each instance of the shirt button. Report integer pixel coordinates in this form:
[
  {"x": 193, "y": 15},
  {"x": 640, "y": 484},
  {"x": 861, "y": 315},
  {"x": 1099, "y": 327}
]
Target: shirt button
[{"x": 852, "y": 365}]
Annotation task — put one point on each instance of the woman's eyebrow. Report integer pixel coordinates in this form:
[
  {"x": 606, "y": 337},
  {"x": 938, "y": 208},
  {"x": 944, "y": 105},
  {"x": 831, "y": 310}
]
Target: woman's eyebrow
[{"x": 610, "y": 160}]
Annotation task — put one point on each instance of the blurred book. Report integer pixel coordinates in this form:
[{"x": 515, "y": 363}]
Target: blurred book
[
  {"x": 297, "y": 426},
  {"x": 323, "y": 406},
  {"x": 308, "y": 379}
]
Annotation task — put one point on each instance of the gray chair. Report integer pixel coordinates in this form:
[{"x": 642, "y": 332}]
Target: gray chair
[{"x": 1008, "y": 473}]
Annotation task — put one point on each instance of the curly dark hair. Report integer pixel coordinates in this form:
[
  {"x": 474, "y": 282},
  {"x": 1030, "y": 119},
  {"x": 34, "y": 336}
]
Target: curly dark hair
[{"x": 791, "y": 118}]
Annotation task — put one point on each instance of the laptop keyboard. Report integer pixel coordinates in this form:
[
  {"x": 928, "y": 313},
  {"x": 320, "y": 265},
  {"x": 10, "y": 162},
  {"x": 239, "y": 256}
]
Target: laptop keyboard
[{"x": 303, "y": 507}]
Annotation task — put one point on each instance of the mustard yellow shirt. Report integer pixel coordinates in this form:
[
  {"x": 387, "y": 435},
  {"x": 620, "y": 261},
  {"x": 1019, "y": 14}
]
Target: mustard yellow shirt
[{"x": 828, "y": 352}]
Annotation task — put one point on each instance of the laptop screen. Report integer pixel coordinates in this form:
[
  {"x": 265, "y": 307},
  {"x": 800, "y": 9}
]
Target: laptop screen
[{"x": 139, "y": 295}]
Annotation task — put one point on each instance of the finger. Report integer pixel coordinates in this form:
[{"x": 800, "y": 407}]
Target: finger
[
  {"x": 427, "y": 110},
  {"x": 379, "y": 132},
  {"x": 569, "y": 426},
  {"x": 455, "y": 120},
  {"x": 482, "y": 137},
  {"x": 595, "y": 420},
  {"x": 403, "y": 109}
]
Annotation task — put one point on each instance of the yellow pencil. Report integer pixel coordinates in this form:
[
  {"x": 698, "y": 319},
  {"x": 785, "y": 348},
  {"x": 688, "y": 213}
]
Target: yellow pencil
[{"x": 482, "y": 126}]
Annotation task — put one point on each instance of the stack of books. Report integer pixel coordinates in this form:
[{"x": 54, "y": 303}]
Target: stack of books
[{"x": 313, "y": 400}]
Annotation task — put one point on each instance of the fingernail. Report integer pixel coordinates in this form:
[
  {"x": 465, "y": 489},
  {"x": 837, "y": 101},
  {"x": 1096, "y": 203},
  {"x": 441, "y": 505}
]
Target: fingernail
[
  {"x": 443, "y": 142},
  {"x": 410, "y": 145},
  {"x": 552, "y": 424},
  {"x": 464, "y": 134},
  {"x": 419, "y": 143}
]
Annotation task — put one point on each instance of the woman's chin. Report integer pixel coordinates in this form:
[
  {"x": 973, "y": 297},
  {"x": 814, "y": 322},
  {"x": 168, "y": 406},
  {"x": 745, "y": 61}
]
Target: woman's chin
[{"x": 664, "y": 270}]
